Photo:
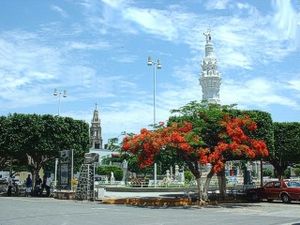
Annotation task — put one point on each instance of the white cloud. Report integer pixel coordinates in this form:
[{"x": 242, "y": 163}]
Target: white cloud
[
  {"x": 157, "y": 22},
  {"x": 257, "y": 92},
  {"x": 216, "y": 4},
  {"x": 59, "y": 10},
  {"x": 294, "y": 84},
  {"x": 116, "y": 3},
  {"x": 21, "y": 57},
  {"x": 125, "y": 58},
  {"x": 75, "y": 45},
  {"x": 285, "y": 19}
]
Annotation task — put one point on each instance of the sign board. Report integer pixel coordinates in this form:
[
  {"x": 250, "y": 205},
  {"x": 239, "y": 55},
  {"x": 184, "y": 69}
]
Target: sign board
[{"x": 64, "y": 170}]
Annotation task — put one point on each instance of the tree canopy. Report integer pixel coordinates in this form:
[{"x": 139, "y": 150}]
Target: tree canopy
[
  {"x": 33, "y": 140},
  {"x": 286, "y": 147},
  {"x": 199, "y": 134}
]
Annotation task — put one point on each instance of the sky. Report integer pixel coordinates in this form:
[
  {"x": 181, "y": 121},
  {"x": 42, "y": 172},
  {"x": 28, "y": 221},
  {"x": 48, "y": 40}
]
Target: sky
[{"x": 97, "y": 51}]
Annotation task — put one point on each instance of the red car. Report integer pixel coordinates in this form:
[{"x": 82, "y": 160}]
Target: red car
[{"x": 276, "y": 190}]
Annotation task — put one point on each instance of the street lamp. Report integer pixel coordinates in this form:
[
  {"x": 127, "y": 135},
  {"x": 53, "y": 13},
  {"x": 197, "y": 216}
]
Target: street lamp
[
  {"x": 58, "y": 94},
  {"x": 156, "y": 65}
]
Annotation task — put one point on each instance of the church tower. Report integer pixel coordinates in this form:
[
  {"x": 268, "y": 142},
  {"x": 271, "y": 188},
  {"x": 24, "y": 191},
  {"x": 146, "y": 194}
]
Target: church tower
[
  {"x": 95, "y": 131},
  {"x": 210, "y": 79}
]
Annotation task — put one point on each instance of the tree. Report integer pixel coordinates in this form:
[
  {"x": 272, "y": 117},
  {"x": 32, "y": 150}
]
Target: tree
[
  {"x": 106, "y": 170},
  {"x": 199, "y": 134},
  {"x": 286, "y": 151},
  {"x": 35, "y": 139},
  {"x": 5, "y": 155},
  {"x": 209, "y": 117},
  {"x": 148, "y": 144}
]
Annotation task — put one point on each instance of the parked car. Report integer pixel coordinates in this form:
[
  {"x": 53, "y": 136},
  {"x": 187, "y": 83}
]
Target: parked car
[{"x": 276, "y": 190}]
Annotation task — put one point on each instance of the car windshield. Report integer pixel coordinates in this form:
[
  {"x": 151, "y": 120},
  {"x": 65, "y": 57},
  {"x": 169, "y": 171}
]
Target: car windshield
[{"x": 293, "y": 184}]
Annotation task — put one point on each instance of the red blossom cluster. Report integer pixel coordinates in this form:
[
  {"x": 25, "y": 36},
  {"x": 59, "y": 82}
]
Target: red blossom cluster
[
  {"x": 233, "y": 143},
  {"x": 148, "y": 144}
]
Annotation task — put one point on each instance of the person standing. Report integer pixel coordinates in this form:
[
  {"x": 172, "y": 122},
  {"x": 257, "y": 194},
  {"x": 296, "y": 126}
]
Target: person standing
[
  {"x": 38, "y": 186},
  {"x": 10, "y": 185},
  {"x": 28, "y": 184},
  {"x": 47, "y": 186}
]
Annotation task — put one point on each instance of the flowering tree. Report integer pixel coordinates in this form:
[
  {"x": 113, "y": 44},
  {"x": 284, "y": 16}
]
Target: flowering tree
[
  {"x": 233, "y": 142},
  {"x": 178, "y": 137},
  {"x": 201, "y": 134},
  {"x": 206, "y": 123}
]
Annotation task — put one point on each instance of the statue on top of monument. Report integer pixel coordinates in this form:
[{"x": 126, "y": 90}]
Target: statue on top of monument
[{"x": 207, "y": 34}]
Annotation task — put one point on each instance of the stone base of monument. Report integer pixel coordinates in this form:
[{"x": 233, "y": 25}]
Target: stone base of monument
[
  {"x": 149, "y": 201},
  {"x": 64, "y": 194}
]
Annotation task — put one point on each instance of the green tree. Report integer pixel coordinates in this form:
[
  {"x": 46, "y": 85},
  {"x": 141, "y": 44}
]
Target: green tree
[
  {"x": 106, "y": 170},
  {"x": 35, "y": 139},
  {"x": 297, "y": 171},
  {"x": 286, "y": 148},
  {"x": 5, "y": 154}
]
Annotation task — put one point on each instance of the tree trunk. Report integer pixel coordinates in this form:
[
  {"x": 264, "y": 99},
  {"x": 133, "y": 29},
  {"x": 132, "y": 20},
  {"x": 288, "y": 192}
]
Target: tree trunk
[
  {"x": 279, "y": 169},
  {"x": 35, "y": 172},
  {"x": 35, "y": 168},
  {"x": 206, "y": 185},
  {"x": 279, "y": 172},
  {"x": 222, "y": 184},
  {"x": 196, "y": 171},
  {"x": 199, "y": 188},
  {"x": 199, "y": 183}
]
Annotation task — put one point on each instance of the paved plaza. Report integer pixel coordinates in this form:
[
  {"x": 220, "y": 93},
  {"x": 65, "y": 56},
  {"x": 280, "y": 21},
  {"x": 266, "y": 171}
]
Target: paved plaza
[{"x": 37, "y": 211}]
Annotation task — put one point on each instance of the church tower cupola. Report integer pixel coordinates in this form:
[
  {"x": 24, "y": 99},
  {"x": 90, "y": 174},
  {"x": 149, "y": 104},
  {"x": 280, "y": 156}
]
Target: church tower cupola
[
  {"x": 210, "y": 79},
  {"x": 95, "y": 130}
]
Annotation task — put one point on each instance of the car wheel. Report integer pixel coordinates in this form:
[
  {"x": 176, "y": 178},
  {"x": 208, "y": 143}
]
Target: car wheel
[
  {"x": 270, "y": 200},
  {"x": 285, "y": 198}
]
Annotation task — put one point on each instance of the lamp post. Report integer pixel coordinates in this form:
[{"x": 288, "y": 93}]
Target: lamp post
[
  {"x": 156, "y": 65},
  {"x": 59, "y": 94}
]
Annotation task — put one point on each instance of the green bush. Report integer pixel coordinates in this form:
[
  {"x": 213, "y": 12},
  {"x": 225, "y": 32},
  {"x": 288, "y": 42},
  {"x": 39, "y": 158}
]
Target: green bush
[
  {"x": 106, "y": 170},
  {"x": 188, "y": 175},
  {"x": 267, "y": 173},
  {"x": 297, "y": 172},
  {"x": 287, "y": 173}
]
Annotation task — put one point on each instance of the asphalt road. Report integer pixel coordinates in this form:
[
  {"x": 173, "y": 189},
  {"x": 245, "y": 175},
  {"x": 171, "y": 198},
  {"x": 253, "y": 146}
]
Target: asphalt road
[{"x": 45, "y": 211}]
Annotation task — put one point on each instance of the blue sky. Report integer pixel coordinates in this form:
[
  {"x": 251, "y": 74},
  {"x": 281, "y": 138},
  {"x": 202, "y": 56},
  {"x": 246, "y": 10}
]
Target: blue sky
[{"x": 97, "y": 51}]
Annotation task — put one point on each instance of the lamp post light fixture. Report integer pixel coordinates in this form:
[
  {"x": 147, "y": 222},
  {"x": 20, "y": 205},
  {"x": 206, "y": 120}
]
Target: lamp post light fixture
[
  {"x": 156, "y": 66},
  {"x": 59, "y": 94}
]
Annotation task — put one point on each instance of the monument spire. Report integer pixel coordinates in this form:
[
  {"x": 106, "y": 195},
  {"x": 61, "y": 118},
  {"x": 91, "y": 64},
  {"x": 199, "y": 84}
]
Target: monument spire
[
  {"x": 210, "y": 79},
  {"x": 95, "y": 130}
]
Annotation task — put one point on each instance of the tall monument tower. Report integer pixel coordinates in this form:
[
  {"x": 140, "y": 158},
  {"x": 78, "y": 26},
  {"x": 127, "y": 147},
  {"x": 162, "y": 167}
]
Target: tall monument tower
[
  {"x": 95, "y": 131},
  {"x": 210, "y": 79}
]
